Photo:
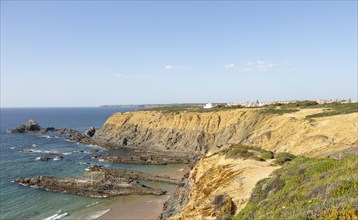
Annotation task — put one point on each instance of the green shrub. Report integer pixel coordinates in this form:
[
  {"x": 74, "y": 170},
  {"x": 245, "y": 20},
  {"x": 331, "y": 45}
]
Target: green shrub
[
  {"x": 267, "y": 155},
  {"x": 282, "y": 157},
  {"x": 306, "y": 188}
]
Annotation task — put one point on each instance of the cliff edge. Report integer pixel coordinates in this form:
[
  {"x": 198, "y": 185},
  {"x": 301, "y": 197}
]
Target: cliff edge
[{"x": 206, "y": 131}]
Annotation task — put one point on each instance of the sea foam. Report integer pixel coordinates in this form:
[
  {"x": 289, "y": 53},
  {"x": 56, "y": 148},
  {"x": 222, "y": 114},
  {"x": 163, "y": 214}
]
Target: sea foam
[
  {"x": 58, "y": 215},
  {"x": 98, "y": 214}
]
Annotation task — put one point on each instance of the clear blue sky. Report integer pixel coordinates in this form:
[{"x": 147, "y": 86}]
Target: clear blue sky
[{"x": 90, "y": 53}]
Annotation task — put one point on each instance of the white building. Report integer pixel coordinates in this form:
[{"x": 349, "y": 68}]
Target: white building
[{"x": 208, "y": 105}]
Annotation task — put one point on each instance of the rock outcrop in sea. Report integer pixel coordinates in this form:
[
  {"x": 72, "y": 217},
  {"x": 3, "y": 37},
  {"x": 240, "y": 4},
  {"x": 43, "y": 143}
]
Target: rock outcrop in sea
[
  {"x": 32, "y": 127},
  {"x": 99, "y": 181}
]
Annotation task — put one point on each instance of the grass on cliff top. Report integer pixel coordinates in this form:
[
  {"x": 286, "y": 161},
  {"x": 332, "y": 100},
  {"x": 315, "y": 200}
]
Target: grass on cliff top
[
  {"x": 191, "y": 108},
  {"x": 335, "y": 109},
  {"x": 307, "y": 188},
  {"x": 330, "y": 109}
]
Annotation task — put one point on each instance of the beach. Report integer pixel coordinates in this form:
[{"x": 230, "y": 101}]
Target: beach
[{"x": 139, "y": 206}]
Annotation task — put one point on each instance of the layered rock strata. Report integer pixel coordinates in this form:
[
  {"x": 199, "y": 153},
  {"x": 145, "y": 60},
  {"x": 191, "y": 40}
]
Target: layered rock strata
[
  {"x": 100, "y": 182},
  {"x": 153, "y": 157},
  {"x": 200, "y": 132},
  {"x": 90, "y": 187},
  {"x": 101, "y": 172},
  {"x": 217, "y": 188}
]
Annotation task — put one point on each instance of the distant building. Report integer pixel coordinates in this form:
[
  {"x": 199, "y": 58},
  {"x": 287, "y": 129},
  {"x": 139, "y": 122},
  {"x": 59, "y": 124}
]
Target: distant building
[{"x": 208, "y": 105}]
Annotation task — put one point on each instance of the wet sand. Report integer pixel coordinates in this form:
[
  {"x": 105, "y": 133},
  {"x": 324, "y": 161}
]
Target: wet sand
[
  {"x": 143, "y": 206},
  {"x": 135, "y": 207}
]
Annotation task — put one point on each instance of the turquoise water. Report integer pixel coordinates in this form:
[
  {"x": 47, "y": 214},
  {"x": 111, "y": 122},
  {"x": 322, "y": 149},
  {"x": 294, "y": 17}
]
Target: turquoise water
[{"x": 19, "y": 202}]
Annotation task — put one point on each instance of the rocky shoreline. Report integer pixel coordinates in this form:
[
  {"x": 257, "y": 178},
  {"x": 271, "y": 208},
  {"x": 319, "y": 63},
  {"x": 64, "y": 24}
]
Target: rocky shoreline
[
  {"x": 216, "y": 183},
  {"x": 99, "y": 181}
]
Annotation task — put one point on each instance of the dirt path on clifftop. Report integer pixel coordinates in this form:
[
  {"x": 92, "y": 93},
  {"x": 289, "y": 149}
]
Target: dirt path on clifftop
[{"x": 217, "y": 175}]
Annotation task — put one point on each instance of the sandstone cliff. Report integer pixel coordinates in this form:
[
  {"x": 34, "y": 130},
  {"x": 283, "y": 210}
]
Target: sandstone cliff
[
  {"x": 218, "y": 186},
  {"x": 217, "y": 176},
  {"x": 201, "y": 132}
]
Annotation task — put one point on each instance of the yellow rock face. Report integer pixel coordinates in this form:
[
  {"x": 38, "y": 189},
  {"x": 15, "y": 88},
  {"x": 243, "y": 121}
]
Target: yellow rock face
[
  {"x": 205, "y": 131},
  {"x": 214, "y": 176}
]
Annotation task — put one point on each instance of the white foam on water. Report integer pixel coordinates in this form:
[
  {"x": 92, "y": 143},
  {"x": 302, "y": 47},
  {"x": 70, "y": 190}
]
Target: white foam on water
[
  {"x": 40, "y": 151},
  {"x": 57, "y": 158},
  {"x": 98, "y": 214},
  {"x": 57, "y": 216},
  {"x": 95, "y": 203},
  {"x": 34, "y": 145},
  {"x": 84, "y": 163},
  {"x": 67, "y": 153},
  {"x": 12, "y": 148}
]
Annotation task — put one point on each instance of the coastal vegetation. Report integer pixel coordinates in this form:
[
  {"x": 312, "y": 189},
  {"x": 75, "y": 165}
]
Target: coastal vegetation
[
  {"x": 330, "y": 109},
  {"x": 193, "y": 108},
  {"x": 335, "y": 109},
  {"x": 307, "y": 188}
]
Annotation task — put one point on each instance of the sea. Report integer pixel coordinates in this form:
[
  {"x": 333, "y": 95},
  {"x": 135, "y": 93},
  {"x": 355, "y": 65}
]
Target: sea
[{"x": 19, "y": 154}]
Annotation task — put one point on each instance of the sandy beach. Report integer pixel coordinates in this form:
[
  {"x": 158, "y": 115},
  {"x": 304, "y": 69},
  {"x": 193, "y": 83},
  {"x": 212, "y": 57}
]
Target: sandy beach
[{"x": 141, "y": 206}]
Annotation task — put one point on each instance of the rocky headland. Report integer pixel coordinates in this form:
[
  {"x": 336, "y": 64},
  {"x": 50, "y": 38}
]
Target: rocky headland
[
  {"x": 198, "y": 133},
  {"x": 220, "y": 186}
]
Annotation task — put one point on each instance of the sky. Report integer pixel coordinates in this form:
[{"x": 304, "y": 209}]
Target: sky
[{"x": 91, "y": 53}]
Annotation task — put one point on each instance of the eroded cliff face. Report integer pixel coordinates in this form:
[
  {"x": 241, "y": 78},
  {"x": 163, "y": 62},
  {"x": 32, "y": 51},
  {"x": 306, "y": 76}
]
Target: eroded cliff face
[
  {"x": 201, "y": 132},
  {"x": 218, "y": 186},
  {"x": 214, "y": 177}
]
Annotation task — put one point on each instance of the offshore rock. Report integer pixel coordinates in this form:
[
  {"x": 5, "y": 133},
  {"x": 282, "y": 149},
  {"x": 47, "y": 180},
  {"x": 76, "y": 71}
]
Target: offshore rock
[
  {"x": 90, "y": 132},
  {"x": 31, "y": 126},
  {"x": 90, "y": 187},
  {"x": 99, "y": 181}
]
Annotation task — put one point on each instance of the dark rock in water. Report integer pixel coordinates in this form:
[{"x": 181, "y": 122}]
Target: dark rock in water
[
  {"x": 44, "y": 158},
  {"x": 31, "y": 126},
  {"x": 50, "y": 129},
  {"x": 90, "y": 186},
  {"x": 90, "y": 132}
]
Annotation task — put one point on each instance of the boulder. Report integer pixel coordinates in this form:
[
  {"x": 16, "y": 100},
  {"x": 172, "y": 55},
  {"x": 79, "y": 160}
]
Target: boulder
[
  {"x": 31, "y": 126},
  {"x": 90, "y": 132}
]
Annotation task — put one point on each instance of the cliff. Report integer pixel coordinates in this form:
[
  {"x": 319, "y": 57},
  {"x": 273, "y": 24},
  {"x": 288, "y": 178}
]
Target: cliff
[
  {"x": 202, "y": 132},
  {"x": 220, "y": 186}
]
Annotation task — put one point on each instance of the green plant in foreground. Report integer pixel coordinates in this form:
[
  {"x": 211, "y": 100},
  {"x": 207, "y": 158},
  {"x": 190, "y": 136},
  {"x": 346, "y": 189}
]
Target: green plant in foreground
[{"x": 307, "y": 188}]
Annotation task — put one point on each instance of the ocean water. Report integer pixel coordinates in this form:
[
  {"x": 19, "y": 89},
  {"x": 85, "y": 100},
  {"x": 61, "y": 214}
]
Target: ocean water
[{"x": 16, "y": 160}]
